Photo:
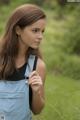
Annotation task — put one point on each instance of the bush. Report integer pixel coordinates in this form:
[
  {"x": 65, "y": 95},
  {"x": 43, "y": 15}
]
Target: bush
[
  {"x": 72, "y": 36},
  {"x": 71, "y": 67}
]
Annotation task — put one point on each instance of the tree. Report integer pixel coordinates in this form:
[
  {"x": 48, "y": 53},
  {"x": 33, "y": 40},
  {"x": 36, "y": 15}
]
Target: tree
[
  {"x": 62, "y": 2},
  {"x": 4, "y": 1},
  {"x": 38, "y": 2}
]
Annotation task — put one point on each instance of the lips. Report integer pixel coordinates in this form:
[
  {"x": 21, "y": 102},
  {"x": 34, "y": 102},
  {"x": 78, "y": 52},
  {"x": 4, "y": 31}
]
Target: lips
[{"x": 37, "y": 42}]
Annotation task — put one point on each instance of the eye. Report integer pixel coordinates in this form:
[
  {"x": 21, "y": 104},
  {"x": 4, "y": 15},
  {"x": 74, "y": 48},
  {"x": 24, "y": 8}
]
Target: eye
[
  {"x": 35, "y": 30},
  {"x": 43, "y": 31}
]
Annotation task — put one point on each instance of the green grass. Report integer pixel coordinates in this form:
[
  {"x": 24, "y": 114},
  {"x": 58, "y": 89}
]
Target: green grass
[
  {"x": 62, "y": 99},
  {"x": 62, "y": 93}
]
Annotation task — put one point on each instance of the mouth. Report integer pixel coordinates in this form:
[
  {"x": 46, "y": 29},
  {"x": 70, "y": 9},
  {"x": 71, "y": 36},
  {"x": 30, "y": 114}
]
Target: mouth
[{"x": 37, "y": 42}]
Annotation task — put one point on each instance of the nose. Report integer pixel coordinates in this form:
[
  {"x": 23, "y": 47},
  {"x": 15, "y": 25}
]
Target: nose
[{"x": 40, "y": 36}]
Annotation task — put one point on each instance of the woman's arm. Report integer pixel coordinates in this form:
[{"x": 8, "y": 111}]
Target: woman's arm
[{"x": 36, "y": 81}]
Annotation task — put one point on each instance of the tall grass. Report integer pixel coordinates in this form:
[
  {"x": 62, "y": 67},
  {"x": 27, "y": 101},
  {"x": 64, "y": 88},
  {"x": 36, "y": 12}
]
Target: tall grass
[
  {"x": 62, "y": 93},
  {"x": 62, "y": 99}
]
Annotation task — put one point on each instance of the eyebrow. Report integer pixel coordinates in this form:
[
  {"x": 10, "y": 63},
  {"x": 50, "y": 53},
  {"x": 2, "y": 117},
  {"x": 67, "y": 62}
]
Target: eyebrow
[{"x": 38, "y": 29}]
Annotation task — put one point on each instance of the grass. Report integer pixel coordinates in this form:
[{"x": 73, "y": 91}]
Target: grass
[
  {"x": 62, "y": 93},
  {"x": 62, "y": 99}
]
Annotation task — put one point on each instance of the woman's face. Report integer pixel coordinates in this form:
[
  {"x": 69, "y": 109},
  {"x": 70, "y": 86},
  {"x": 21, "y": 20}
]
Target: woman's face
[{"x": 32, "y": 35}]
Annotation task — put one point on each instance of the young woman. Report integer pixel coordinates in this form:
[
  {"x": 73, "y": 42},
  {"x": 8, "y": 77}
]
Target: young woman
[{"x": 22, "y": 69}]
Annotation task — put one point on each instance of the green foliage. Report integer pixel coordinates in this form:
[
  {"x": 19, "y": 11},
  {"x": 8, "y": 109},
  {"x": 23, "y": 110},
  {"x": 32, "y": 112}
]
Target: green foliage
[
  {"x": 72, "y": 41},
  {"x": 61, "y": 54},
  {"x": 70, "y": 66},
  {"x": 38, "y": 2},
  {"x": 45, "y": 3},
  {"x": 66, "y": 49},
  {"x": 68, "y": 60},
  {"x": 4, "y": 2}
]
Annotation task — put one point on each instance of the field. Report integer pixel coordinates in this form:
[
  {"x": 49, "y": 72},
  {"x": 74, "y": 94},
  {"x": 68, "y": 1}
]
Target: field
[
  {"x": 62, "y": 93},
  {"x": 62, "y": 99}
]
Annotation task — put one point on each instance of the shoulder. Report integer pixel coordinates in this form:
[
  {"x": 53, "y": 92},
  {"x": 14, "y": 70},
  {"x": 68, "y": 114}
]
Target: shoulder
[
  {"x": 41, "y": 68},
  {"x": 40, "y": 64}
]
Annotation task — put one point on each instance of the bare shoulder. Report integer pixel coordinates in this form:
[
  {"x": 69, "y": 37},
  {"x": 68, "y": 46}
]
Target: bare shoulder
[
  {"x": 40, "y": 64},
  {"x": 41, "y": 68}
]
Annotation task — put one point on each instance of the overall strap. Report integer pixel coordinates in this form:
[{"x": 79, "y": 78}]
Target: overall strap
[{"x": 31, "y": 65}]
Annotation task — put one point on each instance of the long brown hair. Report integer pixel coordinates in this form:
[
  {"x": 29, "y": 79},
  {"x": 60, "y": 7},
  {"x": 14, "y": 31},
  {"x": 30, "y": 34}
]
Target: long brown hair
[{"x": 22, "y": 16}]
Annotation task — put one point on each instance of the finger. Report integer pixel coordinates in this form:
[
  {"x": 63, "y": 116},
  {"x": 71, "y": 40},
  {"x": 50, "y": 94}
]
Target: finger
[
  {"x": 36, "y": 83},
  {"x": 33, "y": 73},
  {"x": 35, "y": 80},
  {"x": 34, "y": 77}
]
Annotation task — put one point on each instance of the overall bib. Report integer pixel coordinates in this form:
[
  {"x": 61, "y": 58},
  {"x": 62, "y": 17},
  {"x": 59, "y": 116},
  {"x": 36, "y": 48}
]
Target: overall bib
[{"x": 14, "y": 97}]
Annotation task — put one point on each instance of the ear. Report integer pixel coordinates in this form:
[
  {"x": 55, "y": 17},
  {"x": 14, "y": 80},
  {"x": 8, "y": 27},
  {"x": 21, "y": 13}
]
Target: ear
[{"x": 18, "y": 30}]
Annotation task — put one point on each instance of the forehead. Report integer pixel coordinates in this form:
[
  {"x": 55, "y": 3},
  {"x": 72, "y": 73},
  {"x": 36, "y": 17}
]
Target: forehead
[{"x": 40, "y": 23}]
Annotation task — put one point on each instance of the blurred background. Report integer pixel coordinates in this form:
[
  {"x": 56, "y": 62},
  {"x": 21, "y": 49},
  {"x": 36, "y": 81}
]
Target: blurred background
[{"x": 61, "y": 52}]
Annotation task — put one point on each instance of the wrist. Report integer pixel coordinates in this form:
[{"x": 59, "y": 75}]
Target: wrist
[{"x": 38, "y": 92}]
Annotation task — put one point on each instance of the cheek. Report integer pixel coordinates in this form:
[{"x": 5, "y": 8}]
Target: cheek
[
  {"x": 31, "y": 36},
  {"x": 24, "y": 36},
  {"x": 28, "y": 36}
]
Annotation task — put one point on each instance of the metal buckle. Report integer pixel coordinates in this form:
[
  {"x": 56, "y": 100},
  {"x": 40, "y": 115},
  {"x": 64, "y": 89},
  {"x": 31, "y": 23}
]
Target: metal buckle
[{"x": 2, "y": 116}]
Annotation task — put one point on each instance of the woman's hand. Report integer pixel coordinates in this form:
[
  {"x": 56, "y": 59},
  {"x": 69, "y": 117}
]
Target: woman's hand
[{"x": 35, "y": 81}]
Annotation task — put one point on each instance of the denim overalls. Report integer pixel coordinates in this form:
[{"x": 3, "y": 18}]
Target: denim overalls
[{"x": 14, "y": 97}]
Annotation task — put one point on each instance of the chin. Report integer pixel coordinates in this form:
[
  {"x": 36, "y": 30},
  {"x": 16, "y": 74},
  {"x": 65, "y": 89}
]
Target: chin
[{"x": 34, "y": 47}]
